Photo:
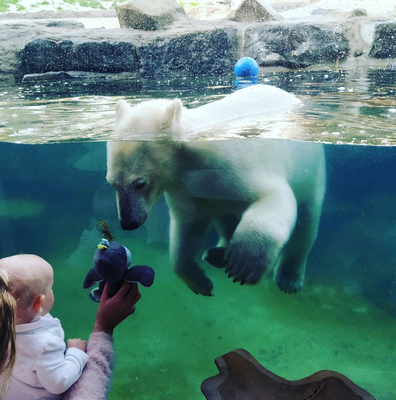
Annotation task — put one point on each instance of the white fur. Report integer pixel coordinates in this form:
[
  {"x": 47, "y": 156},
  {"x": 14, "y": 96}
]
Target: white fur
[
  {"x": 264, "y": 196},
  {"x": 168, "y": 118}
]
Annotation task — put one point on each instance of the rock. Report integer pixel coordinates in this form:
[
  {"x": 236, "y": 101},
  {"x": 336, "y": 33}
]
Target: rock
[
  {"x": 47, "y": 76},
  {"x": 191, "y": 48},
  {"x": 384, "y": 45},
  {"x": 194, "y": 52},
  {"x": 81, "y": 76},
  {"x": 321, "y": 11},
  {"x": 7, "y": 78},
  {"x": 295, "y": 45},
  {"x": 57, "y": 15},
  {"x": 201, "y": 53},
  {"x": 65, "y": 24},
  {"x": 358, "y": 12},
  {"x": 45, "y": 55},
  {"x": 286, "y": 6},
  {"x": 213, "y": 9},
  {"x": 149, "y": 15},
  {"x": 344, "y": 14},
  {"x": 251, "y": 11}
]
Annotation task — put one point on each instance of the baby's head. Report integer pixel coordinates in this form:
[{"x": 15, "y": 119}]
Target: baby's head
[
  {"x": 25, "y": 293},
  {"x": 30, "y": 283}
]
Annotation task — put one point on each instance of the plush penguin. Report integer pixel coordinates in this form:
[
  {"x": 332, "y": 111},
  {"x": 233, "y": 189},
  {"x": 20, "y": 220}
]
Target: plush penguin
[{"x": 111, "y": 264}]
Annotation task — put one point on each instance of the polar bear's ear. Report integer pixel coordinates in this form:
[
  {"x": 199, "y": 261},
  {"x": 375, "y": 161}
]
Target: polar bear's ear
[
  {"x": 121, "y": 107},
  {"x": 173, "y": 113}
]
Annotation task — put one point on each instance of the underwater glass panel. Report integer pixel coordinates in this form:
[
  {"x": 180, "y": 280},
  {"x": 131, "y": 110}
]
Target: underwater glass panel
[{"x": 344, "y": 318}]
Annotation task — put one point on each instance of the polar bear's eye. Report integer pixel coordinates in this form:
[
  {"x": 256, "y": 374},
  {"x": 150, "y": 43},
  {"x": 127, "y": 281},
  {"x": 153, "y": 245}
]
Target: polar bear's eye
[{"x": 139, "y": 184}]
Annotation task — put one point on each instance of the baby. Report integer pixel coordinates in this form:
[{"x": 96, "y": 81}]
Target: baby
[{"x": 42, "y": 368}]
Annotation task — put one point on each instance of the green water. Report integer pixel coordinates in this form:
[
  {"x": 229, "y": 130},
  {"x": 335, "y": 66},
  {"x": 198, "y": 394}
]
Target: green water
[{"x": 344, "y": 319}]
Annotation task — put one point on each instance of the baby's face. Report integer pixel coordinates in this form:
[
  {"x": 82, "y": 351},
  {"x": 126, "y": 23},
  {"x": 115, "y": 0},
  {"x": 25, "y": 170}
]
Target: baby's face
[{"x": 48, "y": 292}]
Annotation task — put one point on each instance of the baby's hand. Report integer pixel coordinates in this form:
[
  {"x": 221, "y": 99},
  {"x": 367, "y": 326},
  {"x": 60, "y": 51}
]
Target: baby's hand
[{"x": 77, "y": 343}]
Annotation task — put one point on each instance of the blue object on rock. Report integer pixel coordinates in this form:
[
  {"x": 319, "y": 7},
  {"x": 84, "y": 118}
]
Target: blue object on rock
[
  {"x": 246, "y": 67},
  {"x": 112, "y": 263}
]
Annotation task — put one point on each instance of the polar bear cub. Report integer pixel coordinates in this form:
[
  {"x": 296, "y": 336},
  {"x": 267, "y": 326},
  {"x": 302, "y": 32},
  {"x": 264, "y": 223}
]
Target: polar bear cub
[{"x": 263, "y": 196}]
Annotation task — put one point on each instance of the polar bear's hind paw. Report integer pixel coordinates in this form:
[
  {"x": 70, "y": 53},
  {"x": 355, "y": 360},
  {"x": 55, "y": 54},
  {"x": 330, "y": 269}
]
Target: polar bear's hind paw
[
  {"x": 215, "y": 256},
  {"x": 196, "y": 279},
  {"x": 288, "y": 285}
]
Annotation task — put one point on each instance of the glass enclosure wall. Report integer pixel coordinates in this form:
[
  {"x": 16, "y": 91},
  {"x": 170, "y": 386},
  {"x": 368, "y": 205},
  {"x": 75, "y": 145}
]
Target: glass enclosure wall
[{"x": 343, "y": 319}]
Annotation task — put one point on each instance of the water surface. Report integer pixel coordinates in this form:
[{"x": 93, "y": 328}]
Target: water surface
[{"x": 339, "y": 107}]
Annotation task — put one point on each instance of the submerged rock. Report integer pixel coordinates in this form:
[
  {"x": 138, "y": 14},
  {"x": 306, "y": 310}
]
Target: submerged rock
[
  {"x": 149, "y": 15},
  {"x": 254, "y": 11}
]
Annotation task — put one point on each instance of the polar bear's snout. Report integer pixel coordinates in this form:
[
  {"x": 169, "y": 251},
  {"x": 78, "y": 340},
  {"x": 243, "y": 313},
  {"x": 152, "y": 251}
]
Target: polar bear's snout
[{"x": 131, "y": 211}]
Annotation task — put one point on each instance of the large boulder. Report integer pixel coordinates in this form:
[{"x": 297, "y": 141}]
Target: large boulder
[
  {"x": 384, "y": 45},
  {"x": 46, "y": 55},
  {"x": 250, "y": 11},
  {"x": 204, "y": 51},
  {"x": 295, "y": 45},
  {"x": 210, "y": 10},
  {"x": 208, "y": 52},
  {"x": 149, "y": 15}
]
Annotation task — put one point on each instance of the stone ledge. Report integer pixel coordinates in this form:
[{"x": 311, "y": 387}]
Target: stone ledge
[
  {"x": 55, "y": 15},
  {"x": 28, "y": 47}
]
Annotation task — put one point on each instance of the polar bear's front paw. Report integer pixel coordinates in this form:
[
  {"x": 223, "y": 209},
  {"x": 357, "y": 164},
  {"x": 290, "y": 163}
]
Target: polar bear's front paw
[
  {"x": 244, "y": 264},
  {"x": 196, "y": 279},
  {"x": 215, "y": 256},
  {"x": 289, "y": 283}
]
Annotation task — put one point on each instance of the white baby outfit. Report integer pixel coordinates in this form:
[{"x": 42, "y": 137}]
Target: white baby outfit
[{"x": 43, "y": 370}]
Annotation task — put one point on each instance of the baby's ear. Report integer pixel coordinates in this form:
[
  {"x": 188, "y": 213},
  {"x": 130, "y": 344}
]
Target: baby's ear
[
  {"x": 121, "y": 107},
  {"x": 38, "y": 303},
  {"x": 173, "y": 112}
]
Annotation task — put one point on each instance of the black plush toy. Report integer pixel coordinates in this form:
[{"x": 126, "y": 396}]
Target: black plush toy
[{"x": 111, "y": 264}]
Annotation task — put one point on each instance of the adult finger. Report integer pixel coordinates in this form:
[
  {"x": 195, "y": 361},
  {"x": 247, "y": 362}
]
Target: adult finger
[
  {"x": 124, "y": 290},
  {"x": 133, "y": 290},
  {"x": 105, "y": 294},
  {"x": 136, "y": 298}
]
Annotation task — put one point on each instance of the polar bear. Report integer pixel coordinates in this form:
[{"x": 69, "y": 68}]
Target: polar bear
[{"x": 263, "y": 196}]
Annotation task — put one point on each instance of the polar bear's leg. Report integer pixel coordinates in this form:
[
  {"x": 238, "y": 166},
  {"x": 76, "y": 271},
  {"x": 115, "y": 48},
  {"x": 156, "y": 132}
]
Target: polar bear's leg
[
  {"x": 186, "y": 241},
  {"x": 225, "y": 226},
  {"x": 290, "y": 273},
  {"x": 264, "y": 229}
]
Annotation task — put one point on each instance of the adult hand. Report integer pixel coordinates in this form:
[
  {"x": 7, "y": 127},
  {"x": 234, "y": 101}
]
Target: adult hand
[{"x": 113, "y": 310}]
